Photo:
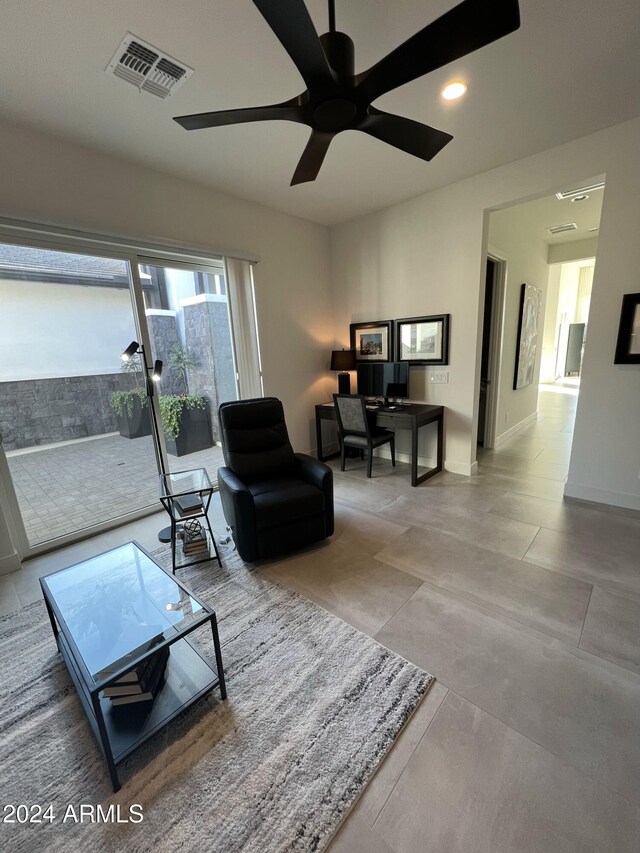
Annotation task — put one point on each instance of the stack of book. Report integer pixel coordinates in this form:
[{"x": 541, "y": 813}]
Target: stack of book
[
  {"x": 188, "y": 505},
  {"x": 142, "y": 683},
  {"x": 195, "y": 544}
]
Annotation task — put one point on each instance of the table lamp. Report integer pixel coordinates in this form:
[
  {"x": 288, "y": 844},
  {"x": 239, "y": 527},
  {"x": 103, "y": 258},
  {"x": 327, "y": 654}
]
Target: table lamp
[{"x": 343, "y": 360}]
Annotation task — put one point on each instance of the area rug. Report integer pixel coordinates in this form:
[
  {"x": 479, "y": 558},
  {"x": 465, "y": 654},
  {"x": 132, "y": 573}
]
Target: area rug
[{"x": 313, "y": 705}]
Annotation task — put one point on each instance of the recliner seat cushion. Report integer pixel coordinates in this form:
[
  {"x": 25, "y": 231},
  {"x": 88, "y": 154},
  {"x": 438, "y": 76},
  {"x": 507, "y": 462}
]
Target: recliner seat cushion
[{"x": 285, "y": 500}]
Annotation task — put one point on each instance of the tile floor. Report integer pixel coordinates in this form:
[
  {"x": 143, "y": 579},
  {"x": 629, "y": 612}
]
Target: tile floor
[{"x": 525, "y": 607}]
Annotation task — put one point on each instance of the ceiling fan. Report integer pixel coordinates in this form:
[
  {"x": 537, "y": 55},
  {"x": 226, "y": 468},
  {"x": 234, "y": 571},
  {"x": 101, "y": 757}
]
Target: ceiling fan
[{"x": 336, "y": 99}]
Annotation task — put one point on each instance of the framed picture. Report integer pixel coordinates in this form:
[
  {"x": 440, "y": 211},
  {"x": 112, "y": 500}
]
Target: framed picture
[
  {"x": 423, "y": 340},
  {"x": 372, "y": 341},
  {"x": 628, "y": 346},
  {"x": 527, "y": 341}
]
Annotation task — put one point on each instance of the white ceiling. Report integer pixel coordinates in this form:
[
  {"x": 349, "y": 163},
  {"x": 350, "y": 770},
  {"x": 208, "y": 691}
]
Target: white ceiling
[
  {"x": 535, "y": 217},
  {"x": 572, "y": 68}
]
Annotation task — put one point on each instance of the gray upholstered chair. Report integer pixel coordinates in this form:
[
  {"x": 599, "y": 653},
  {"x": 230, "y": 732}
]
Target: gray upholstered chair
[{"x": 355, "y": 430}]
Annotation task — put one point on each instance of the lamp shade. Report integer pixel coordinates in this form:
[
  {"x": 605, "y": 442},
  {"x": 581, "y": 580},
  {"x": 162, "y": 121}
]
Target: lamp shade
[{"x": 343, "y": 359}]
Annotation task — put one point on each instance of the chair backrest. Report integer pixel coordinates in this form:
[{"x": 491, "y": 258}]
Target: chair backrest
[
  {"x": 352, "y": 414},
  {"x": 255, "y": 441}
]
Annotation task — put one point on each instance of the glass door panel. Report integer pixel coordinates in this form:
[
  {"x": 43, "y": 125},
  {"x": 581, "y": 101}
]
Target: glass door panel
[
  {"x": 75, "y": 425},
  {"x": 187, "y": 314}
]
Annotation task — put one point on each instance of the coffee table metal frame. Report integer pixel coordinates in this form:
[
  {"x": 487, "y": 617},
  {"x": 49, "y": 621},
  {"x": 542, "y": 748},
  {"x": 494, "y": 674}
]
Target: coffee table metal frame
[{"x": 116, "y": 745}]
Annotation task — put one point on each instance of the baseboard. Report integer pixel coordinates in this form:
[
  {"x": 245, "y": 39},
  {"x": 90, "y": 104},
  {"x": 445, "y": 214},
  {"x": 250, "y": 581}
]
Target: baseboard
[
  {"x": 10, "y": 564},
  {"x": 602, "y": 496},
  {"x": 461, "y": 468},
  {"x": 425, "y": 462},
  {"x": 500, "y": 439}
]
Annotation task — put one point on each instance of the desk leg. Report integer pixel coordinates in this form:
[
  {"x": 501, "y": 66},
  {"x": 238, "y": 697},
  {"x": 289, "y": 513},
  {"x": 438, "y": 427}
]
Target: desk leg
[
  {"x": 414, "y": 454},
  {"x": 440, "y": 458},
  {"x": 415, "y": 480},
  {"x": 319, "y": 453}
]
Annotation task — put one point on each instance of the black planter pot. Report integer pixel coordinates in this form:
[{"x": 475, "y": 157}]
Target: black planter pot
[
  {"x": 139, "y": 424},
  {"x": 194, "y": 435}
]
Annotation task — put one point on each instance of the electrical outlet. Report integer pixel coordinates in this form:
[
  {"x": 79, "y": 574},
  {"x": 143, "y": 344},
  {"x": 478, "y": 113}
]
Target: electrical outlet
[{"x": 439, "y": 377}]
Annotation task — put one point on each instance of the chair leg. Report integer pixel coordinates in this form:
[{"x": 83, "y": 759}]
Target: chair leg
[
  {"x": 342, "y": 455},
  {"x": 369, "y": 461},
  {"x": 362, "y": 454},
  {"x": 393, "y": 452}
]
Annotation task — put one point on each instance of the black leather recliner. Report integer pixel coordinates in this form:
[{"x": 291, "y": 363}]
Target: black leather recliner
[{"x": 274, "y": 500}]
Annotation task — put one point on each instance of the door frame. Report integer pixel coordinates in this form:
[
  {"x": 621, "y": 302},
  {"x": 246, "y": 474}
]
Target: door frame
[{"x": 495, "y": 347}]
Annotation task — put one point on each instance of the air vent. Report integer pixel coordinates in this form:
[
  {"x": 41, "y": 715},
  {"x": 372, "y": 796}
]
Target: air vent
[
  {"x": 147, "y": 68},
  {"x": 580, "y": 190},
  {"x": 559, "y": 229}
]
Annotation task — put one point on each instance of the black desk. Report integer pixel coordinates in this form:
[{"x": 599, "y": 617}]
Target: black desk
[{"x": 412, "y": 416}]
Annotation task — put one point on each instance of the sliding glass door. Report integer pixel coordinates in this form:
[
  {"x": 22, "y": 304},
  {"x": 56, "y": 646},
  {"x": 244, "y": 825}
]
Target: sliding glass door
[
  {"x": 187, "y": 315},
  {"x": 75, "y": 425},
  {"x": 76, "y": 422}
]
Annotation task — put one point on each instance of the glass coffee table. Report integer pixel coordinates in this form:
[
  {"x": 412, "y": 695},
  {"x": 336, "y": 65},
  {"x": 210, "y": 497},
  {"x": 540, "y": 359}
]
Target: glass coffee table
[{"x": 111, "y": 613}]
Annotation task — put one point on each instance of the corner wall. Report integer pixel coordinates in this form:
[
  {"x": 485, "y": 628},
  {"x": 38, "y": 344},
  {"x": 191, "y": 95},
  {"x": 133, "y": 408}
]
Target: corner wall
[{"x": 426, "y": 256}]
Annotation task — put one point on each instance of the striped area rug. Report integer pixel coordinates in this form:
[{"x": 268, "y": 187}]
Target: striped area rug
[{"x": 313, "y": 705}]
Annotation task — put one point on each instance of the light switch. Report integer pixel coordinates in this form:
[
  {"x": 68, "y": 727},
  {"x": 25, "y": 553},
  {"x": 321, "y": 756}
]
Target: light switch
[{"x": 439, "y": 376}]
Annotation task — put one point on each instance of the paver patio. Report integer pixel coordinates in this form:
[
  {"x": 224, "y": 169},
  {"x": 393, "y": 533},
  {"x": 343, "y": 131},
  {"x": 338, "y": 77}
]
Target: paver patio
[{"x": 71, "y": 486}]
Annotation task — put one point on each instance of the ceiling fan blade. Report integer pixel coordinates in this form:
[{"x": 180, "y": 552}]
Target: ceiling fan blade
[
  {"x": 292, "y": 24},
  {"x": 465, "y": 28},
  {"x": 288, "y": 111},
  {"x": 312, "y": 157},
  {"x": 404, "y": 133}
]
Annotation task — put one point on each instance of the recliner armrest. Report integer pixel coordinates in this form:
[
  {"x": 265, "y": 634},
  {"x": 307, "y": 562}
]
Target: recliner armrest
[
  {"x": 239, "y": 511},
  {"x": 321, "y": 476},
  {"x": 312, "y": 471}
]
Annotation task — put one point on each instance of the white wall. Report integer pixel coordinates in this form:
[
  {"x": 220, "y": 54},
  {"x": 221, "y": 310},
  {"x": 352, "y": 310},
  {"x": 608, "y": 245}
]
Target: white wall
[
  {"x": 548, "y": 372},
  {"x": 526, "y": 262},
  {"x": 50, "y": 330},
  {"x": 46, "y": 179},
  {"x": 427, "y": 256}
]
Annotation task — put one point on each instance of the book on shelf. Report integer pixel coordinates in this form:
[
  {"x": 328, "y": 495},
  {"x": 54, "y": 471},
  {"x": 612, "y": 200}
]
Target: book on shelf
[
  {"x": 152, "y": 686},
  {"x": 193, "y": 545},
  {"x": 139, "y": 678},
  {"x": 188, "y": 504},
  {"x": 133, "y": 641}
]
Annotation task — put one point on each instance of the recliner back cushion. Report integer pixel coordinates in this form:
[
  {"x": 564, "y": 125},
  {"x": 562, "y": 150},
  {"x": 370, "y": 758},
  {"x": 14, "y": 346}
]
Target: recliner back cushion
[{"x": 255, "y": 441}]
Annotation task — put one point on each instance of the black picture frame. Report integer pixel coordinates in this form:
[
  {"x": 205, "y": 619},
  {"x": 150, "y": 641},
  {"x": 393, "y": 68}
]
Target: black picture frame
[
  {"x": 423, "y": 340},
  {"x": 372, "y": 341},
  {"x": 527, "y": 339},
  {"x": 628, "y": 343}
]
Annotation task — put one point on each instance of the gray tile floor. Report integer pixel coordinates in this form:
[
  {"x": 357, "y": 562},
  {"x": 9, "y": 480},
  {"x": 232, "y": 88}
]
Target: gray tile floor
[
  {"x": 71, "y": 486},
  {"x": 525, "y": 607}
]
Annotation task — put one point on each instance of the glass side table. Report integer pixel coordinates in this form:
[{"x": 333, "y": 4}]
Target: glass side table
[{"x": 186, "y": 496}]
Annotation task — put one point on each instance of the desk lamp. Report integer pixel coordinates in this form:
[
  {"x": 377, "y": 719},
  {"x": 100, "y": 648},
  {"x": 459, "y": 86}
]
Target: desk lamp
[{"x": 343, "y": 360}]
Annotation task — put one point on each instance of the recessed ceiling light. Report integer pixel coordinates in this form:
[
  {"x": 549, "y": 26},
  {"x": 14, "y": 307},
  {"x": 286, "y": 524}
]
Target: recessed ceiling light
[
  {"x": 454, "y": 90},
  {"x": 582, "y": 197}
]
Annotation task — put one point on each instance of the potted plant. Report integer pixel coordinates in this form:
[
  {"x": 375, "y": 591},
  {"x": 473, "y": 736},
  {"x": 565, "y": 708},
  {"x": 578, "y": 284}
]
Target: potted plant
[
  {"x": 131, "y": 406},
  {"x": 181, "y": 359},
  {"x": 186, "y": 423}
]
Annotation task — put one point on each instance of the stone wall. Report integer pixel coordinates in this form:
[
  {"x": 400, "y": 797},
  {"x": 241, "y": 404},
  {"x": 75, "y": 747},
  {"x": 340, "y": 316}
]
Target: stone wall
[
  {"x": 43, "y": 411},
  {"x": 163, "y": 331},
  {"x": 207, "y": 335}
]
